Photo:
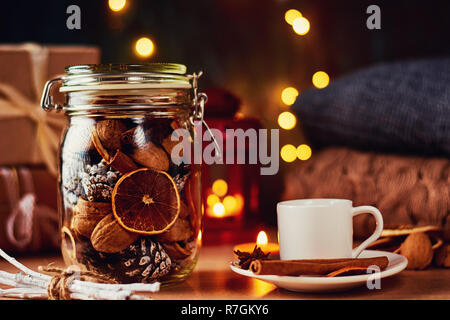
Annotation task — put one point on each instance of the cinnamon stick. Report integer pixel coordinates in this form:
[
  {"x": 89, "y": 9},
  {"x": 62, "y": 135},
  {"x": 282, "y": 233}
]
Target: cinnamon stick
[
  {"x": 349, "y": 271},
  {"x": 312, "y": 267},
  {"x": 122, "y": 163}
]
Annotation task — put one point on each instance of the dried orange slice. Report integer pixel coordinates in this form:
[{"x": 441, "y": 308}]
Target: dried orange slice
[{"x": 146, "y": 201}]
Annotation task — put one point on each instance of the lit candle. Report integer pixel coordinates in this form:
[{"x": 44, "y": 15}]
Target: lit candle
[{"x": 261, "y": 241}]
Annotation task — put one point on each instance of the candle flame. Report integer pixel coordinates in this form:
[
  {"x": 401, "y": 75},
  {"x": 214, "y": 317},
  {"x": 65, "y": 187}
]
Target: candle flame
[{"x": 262, "y": 239}]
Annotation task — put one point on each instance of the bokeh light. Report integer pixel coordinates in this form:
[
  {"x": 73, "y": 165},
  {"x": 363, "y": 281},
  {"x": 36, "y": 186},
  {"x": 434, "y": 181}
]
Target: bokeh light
[
  {"x": 230, "y": 204},
  {"x": 220, "y": 187},
  {"x": 219, "y": 210},
  {"x": 289, "y": 95},
  {"x": 239, "y": 202},
  {"x": 117, "y": 5},
  {"x": 287, "y": 120},
  {"x": 320, "y": 79},
  {"x": 301, "y": 26},
  {"x": 304, "y": 152},
  {"x": 212, "y": 200},
  {"x": 288, "y": 153},
  {"x": 291, "y": 15},
  {"x": 144, "y": 47}
]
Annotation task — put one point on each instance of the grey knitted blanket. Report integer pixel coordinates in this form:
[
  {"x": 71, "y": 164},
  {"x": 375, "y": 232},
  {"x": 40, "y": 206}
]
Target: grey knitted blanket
[{"x": 401, "y": 107}]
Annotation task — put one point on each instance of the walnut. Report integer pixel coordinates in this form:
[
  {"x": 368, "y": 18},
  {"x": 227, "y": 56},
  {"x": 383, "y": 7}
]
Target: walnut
[
  {"x": 116, "y": 159},
  {"x": 144, "y": 151},
  {"x": 109, "y": 132},
  {"x": 87, "y": 214},
  {"x": 417, "y": 248},
  {"x": 109, "y": 237}
]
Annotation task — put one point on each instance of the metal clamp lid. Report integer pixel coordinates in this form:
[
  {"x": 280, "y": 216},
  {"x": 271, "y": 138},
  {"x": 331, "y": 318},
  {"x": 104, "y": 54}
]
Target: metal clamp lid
[
  {"x": 47, "y": 100},
  {"x": 199, "y": 101},
  {"x": 199, "y": 108}
]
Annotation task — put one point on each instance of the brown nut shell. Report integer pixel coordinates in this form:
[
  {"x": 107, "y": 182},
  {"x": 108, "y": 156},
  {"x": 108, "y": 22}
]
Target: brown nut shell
[
  {"x": 417, "y": 248},
  {"x": 109, "y": 237},
  {"x": 442, "y": 256},
  {"x": 151, "y": 156},
  {"x": 87, "y": 214},
  {"x": 181, "y": 230},
  {"x": 109, "y": 132}
]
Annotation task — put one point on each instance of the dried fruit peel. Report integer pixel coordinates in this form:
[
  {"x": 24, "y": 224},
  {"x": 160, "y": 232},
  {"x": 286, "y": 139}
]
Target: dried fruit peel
[
  {"x": 99, "y": 146},
  {"x": 140, "y": 203}
]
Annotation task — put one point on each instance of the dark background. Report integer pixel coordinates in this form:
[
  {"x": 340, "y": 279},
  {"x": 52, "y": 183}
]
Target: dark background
[{"x": 244, "y": 46}]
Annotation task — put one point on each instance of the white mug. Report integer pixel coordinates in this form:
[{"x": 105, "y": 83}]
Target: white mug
[{"x": 321, "y": 228}]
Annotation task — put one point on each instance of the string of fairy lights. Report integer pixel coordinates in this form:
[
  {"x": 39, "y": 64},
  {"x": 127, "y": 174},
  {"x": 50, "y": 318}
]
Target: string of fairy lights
[
  {"x": 320, "y": 79},
  {"x": 144, "y": 48}
]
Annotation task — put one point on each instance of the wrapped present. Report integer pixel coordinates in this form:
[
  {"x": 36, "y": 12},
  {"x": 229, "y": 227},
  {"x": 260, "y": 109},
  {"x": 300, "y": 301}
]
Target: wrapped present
[
  {"x": 28, "y": 210},
  {"x": 30, "y": 135}
]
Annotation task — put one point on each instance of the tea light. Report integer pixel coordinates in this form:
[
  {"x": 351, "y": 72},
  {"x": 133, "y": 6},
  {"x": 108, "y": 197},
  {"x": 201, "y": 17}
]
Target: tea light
[{"x": 261, "y": 241}]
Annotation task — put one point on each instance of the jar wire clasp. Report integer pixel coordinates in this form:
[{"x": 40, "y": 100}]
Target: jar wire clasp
[
  {"x": 47, "y": 100},
  {"x": 200, "y": 98}
]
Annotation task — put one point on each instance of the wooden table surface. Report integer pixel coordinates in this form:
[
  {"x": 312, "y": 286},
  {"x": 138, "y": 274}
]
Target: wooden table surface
[{"x": 213, "y": 279}]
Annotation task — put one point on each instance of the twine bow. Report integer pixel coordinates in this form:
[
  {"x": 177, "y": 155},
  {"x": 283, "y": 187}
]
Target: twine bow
[
  {"x": 25, "y": 212},
  {"x": 13, "y": 103},
  {"x": 58, "y": 287}
]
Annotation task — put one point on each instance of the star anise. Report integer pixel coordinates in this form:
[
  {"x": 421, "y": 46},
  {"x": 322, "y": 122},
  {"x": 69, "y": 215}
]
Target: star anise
[{"x": 245, "y": 258}]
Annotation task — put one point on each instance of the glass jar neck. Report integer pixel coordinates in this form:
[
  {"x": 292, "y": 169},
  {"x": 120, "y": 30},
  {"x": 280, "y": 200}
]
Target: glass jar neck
[{"x": 165, "y": 101}]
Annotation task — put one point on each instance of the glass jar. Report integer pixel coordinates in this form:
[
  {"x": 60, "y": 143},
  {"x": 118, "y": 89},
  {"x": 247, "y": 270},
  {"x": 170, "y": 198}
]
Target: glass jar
[{"x": 127, "y": 210}]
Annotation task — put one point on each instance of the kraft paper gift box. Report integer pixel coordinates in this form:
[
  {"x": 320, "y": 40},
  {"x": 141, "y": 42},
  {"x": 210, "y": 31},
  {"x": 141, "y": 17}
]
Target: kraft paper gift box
[
  {"x": 26, "y": 131},
  {"x": 28, "y": 210},
  {"x": 29, "y": 142}
]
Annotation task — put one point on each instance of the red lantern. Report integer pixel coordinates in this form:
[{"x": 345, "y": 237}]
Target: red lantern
[{"x": 231, "y": 191}]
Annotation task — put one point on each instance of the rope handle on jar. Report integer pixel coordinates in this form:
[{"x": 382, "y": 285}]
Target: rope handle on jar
[{"x": 200, "y": 99}]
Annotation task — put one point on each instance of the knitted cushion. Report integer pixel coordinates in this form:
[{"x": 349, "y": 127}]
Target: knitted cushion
[
  {"x": 403, "y": 107},
  {"x": 407, "y": 190}
]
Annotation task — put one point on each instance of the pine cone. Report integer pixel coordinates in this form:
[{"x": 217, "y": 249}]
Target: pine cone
[
  {"x": 71, "y": 181},
  {"x": 143, "y": 261},
  {"x": 98, "y": 181},
  {"x": 92, "y": 183}
]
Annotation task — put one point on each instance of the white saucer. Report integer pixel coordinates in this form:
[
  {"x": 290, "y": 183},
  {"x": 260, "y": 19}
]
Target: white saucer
[{"x": 321, "y": 284}]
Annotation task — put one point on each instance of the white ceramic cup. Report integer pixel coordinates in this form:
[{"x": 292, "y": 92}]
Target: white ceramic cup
[{"x": 321, "y": 228}]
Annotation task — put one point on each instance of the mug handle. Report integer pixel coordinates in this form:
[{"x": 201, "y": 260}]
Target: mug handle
[{"x": 379, "y": 228}]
